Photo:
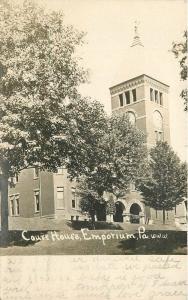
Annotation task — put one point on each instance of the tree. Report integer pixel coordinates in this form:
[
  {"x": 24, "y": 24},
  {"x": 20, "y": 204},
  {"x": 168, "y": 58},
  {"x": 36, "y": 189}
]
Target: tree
[
  {"x": 117, "y": 161},
  {"x": 88, "y": 199},
  {"x": 180, "y": 51},
  {"x": 87, "y": 123},
  {"x": 39, "y": 117},
  {"x": 167, "y": 184}
]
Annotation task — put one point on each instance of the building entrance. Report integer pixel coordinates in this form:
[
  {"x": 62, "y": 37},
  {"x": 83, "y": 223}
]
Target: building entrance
[
  {"x": 118, "y": 217},
  {"x": 135, "y": 209},
  {"x": 101, "y": 212}
]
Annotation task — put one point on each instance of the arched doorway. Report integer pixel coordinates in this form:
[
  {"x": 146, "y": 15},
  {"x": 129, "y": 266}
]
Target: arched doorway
[
  {"x": 101, "y": 212},
  {"x": 118, "y": 217},
  {"x": 135, "y": 209}
]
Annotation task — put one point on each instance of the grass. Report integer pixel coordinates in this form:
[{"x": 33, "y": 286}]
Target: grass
[{"x": 170, "y": 241}]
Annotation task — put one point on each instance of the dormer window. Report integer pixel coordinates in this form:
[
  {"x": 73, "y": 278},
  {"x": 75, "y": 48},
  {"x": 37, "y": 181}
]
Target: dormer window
[
  {"x": 127, "y": 97},
  {"x": 121, "y": 99}
]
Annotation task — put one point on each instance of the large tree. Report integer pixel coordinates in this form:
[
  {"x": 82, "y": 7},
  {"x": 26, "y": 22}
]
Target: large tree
[
  {"x": 180, "y": 51},
  {"x": 120, "y": 160},
  {"x": 43, "y": 119},
  {"x": 167, "y": 184}
]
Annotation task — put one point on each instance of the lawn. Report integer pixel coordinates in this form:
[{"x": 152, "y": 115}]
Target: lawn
[{"x": 135, "y": 239}]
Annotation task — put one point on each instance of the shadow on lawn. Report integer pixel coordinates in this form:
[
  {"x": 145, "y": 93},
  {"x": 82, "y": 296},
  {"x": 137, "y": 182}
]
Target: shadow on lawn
[
  {"x": 175, "y": 243},
  {"x": 99, "y": 225},
  {"x": 15, "y": 238}
]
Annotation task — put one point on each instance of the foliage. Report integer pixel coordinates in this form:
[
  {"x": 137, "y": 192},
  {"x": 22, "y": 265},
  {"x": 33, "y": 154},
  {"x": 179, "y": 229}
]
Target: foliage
[
  {"x": 117, "y": 160},
  {"x": 87, "y": 123},
  {"x": 167, "y": 185},
  {"x": 88, "y": 198},
  {"x": 180, "y": 51},
  {"x": 120, "y": 150},
  {"x": 39, "y": 71}
]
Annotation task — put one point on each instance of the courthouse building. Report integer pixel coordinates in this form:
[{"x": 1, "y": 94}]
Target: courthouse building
[{"x": 51, "y": 195}]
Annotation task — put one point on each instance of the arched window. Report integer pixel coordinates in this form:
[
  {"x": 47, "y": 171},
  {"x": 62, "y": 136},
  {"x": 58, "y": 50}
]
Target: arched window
[
  {"x": 158, "y": 125},
  {"x": 132, "y": 117}
]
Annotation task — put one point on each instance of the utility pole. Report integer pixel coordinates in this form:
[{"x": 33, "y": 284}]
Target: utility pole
[
  {"x": 4, "y": 176},
  {"x": 4, "y": 209}
]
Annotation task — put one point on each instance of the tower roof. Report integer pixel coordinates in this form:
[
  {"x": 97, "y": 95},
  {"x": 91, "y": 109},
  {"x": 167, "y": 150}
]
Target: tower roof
[
  {"x": 136, "y": 39},
  {"x": 143, "y": 78}
]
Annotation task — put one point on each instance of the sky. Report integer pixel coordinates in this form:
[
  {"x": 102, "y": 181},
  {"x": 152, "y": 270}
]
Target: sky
[{"x": 109, "y": 27}]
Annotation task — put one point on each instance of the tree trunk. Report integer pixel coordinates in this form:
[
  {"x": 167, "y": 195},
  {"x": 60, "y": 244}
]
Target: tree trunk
[
  {"x": 4, "y": 210},
  {"x": 163, "y": 216}
]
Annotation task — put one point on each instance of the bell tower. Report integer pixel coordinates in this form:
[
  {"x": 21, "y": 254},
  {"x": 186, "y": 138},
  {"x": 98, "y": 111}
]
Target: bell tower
[
  {"x": 145, "y": 99},
  {"x": 142, "y": 96}
]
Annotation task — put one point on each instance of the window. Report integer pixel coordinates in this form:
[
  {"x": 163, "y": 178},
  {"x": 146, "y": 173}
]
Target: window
[
  {"x": 121, "y": 99},
  {"x": 156, "y": 96},
  {"x": 36, "y": 172},
  {"x": 60, "y": 171},
  {"x": 160, "y": 136},
  {"x": 37, "y": 200},
  {"x": 73, "y": 203},
  {"x": 11, "y": 206},
  {"x": 77, "y": 218},
  {"x": 157, "y": 120},
  {"x": 17, "y": 205},
  {"x": 132, "y": 186},
  {"x": 134, "y": 95},
  {"x": 127, "y": 97},
  {"x": 14, "y": 205},
  {"x": 156, "y": 136},
  {"x": 16, "y": 178},
  {"x": 161, "y": 98},
  {"x": 185, "y": 202},
  {"x": 72, "y": 218},
  {"x": 60, "y": 197},
  {"x": 132, "y": 117},
  {"x": 73, "y": 198},
  {"x": 151, "y": 94}
]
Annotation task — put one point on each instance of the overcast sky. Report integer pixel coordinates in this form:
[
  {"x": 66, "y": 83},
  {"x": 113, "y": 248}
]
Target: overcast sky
[{"x": 107, "y": 54}]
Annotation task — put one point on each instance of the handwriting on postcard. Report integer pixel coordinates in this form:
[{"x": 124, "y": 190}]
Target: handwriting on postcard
[{"x": 93, "y": 277}]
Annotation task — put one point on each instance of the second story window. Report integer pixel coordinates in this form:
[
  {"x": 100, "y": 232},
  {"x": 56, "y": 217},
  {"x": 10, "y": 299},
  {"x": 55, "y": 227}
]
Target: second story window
[
  {"x": 37, "y": 200},
  {"x": 74, "y": 204},
  {"x": 11, "y": 206},
  {"x": 15, "y": 205},
  {"x": 60, "y": 171},
  {"x": 36, "y": 172},
  {"x": 151, "y": 94},
  {"x": 121, "y": 99},
  {"x": 127, "y": 97},
  {"x": 158, "y": 136},
  {"x": 134, "y": 95},
  {"x": 132, "y": 186},
  {"x": 60, "y": 197}
]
